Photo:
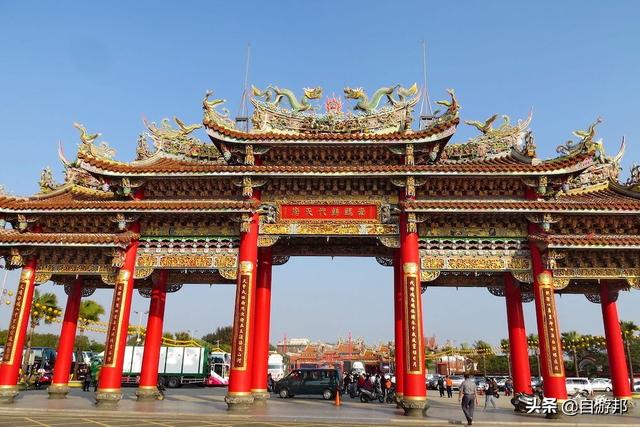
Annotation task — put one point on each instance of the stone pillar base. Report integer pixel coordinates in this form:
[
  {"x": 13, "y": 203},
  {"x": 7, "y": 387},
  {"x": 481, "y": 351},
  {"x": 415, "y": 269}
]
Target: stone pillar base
[
  {"x": 8, "y": 393},
  {"x": 415, "y": 407},
  {"x": 260, "y": 396},
  {"x": 148, "y": 393},
  {"x": 58, "y": 391},
  {"x": 108, "y": 398},
  {"x": 399, "y": 401},
  {"x": 239, "y": 402}
]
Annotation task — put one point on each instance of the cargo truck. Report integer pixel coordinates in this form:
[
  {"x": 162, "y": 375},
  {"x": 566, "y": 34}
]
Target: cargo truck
[{"x": 177, "y": 365}]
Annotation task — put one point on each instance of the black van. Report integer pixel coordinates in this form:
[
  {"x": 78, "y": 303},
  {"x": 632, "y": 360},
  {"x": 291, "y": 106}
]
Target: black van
[{"x": 323, "y": 382}]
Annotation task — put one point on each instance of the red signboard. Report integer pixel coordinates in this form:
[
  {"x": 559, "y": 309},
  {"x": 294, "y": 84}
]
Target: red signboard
[{"x": 329, "y": 212}]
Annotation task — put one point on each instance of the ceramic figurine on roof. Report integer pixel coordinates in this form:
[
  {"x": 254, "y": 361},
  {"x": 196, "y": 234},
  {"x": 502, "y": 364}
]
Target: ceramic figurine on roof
[
  {"x": 585, "y": 144},
  {"x": 492, "y": 141},
  {"x": 370, "y": 106},
  {"x": 87, "y": 139},
  {"x": 274, "y": 96}
]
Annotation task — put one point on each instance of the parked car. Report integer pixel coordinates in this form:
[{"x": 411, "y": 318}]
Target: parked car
[
  {"x": 481, "y": 384},
  {"x": 636, "y": 385},
  {"x": 501, "y": 383},
  {"x": 322, "y": 382},
  {"x": 601, "y": 384},
  {"x": 456, "y": 380},
  {"x": 578, "y": 385},
  {"x": 433, "y": 382}
]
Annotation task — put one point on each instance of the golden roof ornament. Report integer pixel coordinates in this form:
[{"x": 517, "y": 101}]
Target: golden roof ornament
[{"x": 103, "y": 150}]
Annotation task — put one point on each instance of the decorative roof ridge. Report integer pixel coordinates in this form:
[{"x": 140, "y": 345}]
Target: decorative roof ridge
[
  {"x": 15, "y": 237},
  {"x": 627, "y": 189},
  {"x": 494, "y": 141}
]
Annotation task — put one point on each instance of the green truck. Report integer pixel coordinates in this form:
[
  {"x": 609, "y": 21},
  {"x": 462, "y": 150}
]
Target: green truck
[{"x": 177, "y": 365}]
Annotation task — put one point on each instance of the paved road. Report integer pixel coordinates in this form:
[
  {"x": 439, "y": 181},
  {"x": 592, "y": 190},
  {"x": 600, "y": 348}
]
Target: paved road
[{"x": 205, "y": 407}]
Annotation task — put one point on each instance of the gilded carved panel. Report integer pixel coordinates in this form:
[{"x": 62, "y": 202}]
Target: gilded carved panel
[{"x": 184, "y": 261}]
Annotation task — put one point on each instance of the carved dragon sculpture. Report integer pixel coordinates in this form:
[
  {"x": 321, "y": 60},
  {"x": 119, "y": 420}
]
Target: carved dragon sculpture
[
  {"x": 166, "y": 131},
  {"x": 486, "y": 127},
  {"x": 368, "y": 106},
  {"x": 278, "y": 94},
  {"x": 586, "y": 141}
]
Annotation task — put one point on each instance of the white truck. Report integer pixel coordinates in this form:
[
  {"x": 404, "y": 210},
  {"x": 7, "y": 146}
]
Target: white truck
[
  {"x": 177, "y": 365},
  {"x": 276, "y": 366}
]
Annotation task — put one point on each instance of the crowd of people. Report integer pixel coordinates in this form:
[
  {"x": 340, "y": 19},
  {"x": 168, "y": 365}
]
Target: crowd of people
[{"x": 353, "y": 383}]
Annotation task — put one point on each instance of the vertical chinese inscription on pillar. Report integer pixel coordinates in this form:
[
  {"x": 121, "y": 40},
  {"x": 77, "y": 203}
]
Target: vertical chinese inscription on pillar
[
  {"x": 413, "y": 319},
  {"x": 242, "y": 316},
  {"x": 115, "y": 320},
  {"x": 551, "y": 333},
  {"x": 17, "y": 316}
]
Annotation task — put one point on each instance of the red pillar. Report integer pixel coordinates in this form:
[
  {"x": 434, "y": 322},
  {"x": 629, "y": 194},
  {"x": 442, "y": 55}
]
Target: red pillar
[
  {"x": 398, "y": 325},
  {"x": 147, "y": 389},
  {"x": 414, "y": 397},
  {"x": 551, "y": 359},
  {"x": 261, "y": 326},
  {"x": 12, "y": 357},
  {"x": 615, "y": 347},
  {"x": 518, "y": 349},
  {"x": 239, "y": 392},
  {"x": 61, "y": 372},
  {"x": 110, "y": 376}
]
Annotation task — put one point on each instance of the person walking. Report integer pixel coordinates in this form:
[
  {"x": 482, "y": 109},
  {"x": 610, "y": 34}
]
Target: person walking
[
  {"x": 449, "y": 383},
  {"x": 490, "y": 393},
  {"x": 508, "y": 387},
  {"x": 441, "y": 386},
  {"x": 87, "y": 381},
  {"x": 468, "y": 397}
]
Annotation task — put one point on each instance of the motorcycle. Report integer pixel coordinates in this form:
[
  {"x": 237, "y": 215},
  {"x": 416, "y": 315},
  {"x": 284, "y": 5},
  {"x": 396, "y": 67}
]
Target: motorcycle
[
  {"x": 354, "y": 390},
  {"x": 368, "y": 395},
  {"x": 391, "y": 395},
  {"x": 522, "y": 401}
]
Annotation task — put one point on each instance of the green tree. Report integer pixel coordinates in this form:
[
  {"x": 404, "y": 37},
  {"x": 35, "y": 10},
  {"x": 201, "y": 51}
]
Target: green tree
[
  {"x": 571, "y": 341},
  {"x": 222, "y": 335},
  {"x": 183, "y": 336},
  {"x": 90, "y": 311},
  {"x": 44, "y": 309},
  {"x": 629, "y": 330}
]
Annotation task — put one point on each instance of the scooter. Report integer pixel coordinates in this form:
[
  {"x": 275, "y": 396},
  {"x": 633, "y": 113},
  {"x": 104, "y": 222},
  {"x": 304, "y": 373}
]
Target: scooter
[
  {"x": 354, "y": 390},
  {"x": 367, "y": 395},
  {"x": 521, "y": 401},
  {"x": 391, "y": 395}
]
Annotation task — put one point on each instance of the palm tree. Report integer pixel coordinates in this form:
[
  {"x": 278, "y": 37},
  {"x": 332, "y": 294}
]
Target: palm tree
[
  {"x": 45, "y": 307},
  {"x": 629, "y": 329},
  {"x": 90, "y": 311},
  {"x": 532, "y": 339},
  {"x": 571, "y": 338}
]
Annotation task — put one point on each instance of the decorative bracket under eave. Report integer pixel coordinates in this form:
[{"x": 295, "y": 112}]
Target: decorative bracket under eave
[
  {"x": 125, "y": 187},
  {"x": 544, "y": 220},
  {"x": 268, "y": 212},
  {"x": 23, "y": 222},
  {"x": 409, "y": 184},
  {"x": 248, "y": 184},
  {"x": 122, "y": 221}
]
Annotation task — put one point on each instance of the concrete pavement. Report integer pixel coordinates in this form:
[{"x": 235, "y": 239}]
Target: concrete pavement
[{"x": 206, "y": 407}]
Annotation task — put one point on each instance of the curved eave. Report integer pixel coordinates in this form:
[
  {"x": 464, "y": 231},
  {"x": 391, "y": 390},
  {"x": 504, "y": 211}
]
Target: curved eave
[
  {"x": 12, "y": 238},
  {"x": 503, "y": 207},
  {"x": 432, "y": 134},
  {"x": 588, "y": 241}
]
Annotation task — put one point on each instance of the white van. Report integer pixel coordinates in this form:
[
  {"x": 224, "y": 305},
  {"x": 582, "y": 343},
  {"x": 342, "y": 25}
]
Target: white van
[
  {"x": 358, "y": 368},
  {"x": 578, "y": 385}
]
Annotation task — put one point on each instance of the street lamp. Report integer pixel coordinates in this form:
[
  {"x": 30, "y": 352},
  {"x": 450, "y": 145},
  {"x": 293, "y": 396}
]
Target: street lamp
[{"x": 139, "y": 328}]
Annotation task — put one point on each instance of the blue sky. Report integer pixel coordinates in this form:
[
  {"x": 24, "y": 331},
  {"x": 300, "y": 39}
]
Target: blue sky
[{"x": 107, "y": 64}]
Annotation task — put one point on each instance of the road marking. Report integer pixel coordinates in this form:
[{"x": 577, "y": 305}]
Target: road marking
[{"x": 37, "y": 422}]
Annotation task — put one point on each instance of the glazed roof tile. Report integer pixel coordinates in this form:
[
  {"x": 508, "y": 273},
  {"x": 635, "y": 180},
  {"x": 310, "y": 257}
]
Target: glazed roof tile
[
  {"x": 496, "y": 165},
  {"x": 601, "y": 201},
  {"x": 268, "y": 137},
  {"x": 14, "y": 237},
  {"x": 587, "y": 240},
  {"x": 67, "y": 202}
]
